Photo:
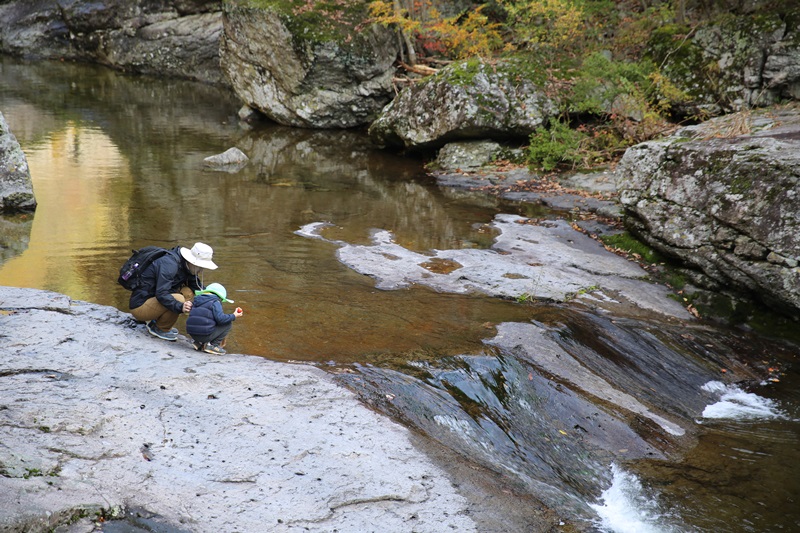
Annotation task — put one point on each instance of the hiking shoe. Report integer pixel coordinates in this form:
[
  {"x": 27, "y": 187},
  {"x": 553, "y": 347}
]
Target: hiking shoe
[
  {"x": 170, "y": 335},
  {"x": 213, "y": 348},
  {"x": 199, "y": 346}
]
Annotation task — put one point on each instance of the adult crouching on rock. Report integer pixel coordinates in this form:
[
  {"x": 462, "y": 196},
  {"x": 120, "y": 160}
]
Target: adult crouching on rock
[{"x": 168, "y": 286}]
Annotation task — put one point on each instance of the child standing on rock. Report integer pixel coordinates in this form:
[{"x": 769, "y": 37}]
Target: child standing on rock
[{"x": 207, "y": 324}]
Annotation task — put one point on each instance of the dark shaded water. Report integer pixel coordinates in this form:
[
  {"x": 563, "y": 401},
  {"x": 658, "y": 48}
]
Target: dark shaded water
[{"x": 117, "y": 163}]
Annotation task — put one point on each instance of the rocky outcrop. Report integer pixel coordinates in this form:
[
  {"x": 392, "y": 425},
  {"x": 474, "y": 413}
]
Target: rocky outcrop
[
  {"x": 308, "y": 76},
  {"x": 724, "y": 201},
  {"x": 175, "y": 38},
  {"x": 16, "y": 187},
  {"x": 465, "y": 100},
  {"x": 734, "y": 63},
  {"x": 98, "y": 418}
]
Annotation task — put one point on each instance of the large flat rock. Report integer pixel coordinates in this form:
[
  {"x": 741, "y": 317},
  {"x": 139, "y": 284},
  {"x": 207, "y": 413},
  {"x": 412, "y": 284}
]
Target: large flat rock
[
  {"x": 547, "y": 260},
  {"x": 96, "y": 415}
]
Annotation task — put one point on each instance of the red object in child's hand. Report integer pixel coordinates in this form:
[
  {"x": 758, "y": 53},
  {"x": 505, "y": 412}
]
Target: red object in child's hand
[{"x": 238, "y": 309}]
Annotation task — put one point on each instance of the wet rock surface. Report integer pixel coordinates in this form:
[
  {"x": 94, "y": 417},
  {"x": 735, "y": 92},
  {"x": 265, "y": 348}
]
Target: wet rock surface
[
  {"x": 231, "y": 160},
  {"x": 549, "y": 261},
  {"x": 99, "y": 419}
]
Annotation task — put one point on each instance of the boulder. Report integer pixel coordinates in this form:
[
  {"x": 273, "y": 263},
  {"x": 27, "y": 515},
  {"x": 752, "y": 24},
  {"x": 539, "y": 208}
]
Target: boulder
[
  {"x": 466, "y": 100},
  {"x": 16, "y": 187},
  {"x": 308, "y": 74},
  {"x": 185, "y": 47},
  {"x": 724, "y": 201},
  {"x": 231, "y": 160},
  {"x": 735, "y": 62},
  {"x": 175, "y": 38},
  {"x": 466, "y": 155}
]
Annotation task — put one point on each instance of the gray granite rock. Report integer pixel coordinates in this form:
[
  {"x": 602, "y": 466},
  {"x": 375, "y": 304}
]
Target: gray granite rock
[
  {"x": 545, "y": 261},
  {"x": 283, "y": 68},
  {"x": 16, "y": 187},
  {"x": 465, "y": 100},
  {"x": 724, "y": 197},
  {"x": 97, "y": 417}
]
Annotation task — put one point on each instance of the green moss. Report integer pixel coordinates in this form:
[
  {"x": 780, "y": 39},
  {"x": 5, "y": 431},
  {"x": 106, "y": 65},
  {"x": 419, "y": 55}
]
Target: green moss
[
  {"x": 318, "y": 21},
  {"x": 630, "y": 244},
  {"x": 675, "y": 279},
  {"x": 463, "y": 73},
  {"x": 32, "y": 472},
  {"x": 741, "y": 184}
]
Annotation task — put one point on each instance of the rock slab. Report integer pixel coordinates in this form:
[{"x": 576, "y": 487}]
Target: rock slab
[
  {"x": 548, "y": 261},
  {"x": 96, "y": 416}
]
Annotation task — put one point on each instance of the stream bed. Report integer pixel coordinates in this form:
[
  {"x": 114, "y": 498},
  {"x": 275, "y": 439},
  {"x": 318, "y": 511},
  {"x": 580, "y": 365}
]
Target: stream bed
[{"x": 619, "y": 423}]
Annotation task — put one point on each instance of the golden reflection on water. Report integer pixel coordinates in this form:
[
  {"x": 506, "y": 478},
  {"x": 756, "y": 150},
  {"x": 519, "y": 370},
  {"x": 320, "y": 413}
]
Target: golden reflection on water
[{"x": 72, "y": 170}]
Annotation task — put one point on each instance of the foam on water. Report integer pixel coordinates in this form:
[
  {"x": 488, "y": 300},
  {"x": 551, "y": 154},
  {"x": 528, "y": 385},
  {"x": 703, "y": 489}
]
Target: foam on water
[
  {"x": 737, "y": 404},
  {"x": 626, "y": 507}
]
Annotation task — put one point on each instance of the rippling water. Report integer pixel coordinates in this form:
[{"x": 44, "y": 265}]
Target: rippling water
[{"x": 117, "y": 163}]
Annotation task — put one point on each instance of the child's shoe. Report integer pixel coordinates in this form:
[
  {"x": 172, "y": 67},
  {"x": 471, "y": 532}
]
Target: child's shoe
[
  {"x": 199, "y": 346},
  {"x": 215, "y": 349}
]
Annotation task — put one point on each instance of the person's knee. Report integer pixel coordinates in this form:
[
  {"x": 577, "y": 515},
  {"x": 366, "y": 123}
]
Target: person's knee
[{"x": 179, "y": 296}]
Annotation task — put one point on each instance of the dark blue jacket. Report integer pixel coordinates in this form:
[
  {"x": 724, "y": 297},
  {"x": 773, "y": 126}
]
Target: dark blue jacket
[
  {"x": 164, "y": 277},
  {"x": 206, "y": 314}
]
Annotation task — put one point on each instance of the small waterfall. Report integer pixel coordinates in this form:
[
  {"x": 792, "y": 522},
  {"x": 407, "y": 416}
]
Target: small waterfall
[
  {"x": 737, "y": 404},
  {"x": 627, "y": 508}
]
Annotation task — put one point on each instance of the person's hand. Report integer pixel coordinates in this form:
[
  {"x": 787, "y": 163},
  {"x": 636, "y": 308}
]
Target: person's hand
[
  {"x": 238, "y": 312},
  {"x": 187, "y": 306}
]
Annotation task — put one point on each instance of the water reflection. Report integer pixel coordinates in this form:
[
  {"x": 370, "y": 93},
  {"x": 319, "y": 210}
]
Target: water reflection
[
  {"x": 117, "y": 163},
  {"x": 78, "y": 216}
]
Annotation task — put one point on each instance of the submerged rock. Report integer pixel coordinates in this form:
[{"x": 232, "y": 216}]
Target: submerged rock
[
  {"x": 16, "y": 187},
  {"x": 724, "y": 197},
  {"x": 231, "y": 160}
]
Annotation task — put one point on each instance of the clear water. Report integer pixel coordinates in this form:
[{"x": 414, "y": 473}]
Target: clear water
[{"x": 117, "y": 163}]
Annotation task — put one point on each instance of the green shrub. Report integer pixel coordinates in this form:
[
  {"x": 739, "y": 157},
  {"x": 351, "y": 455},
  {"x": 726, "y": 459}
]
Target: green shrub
[{"x": 558, "y": 145}]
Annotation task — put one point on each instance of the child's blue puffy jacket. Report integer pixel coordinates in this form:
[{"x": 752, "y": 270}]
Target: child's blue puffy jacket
[{"x": 206, "y": 314}]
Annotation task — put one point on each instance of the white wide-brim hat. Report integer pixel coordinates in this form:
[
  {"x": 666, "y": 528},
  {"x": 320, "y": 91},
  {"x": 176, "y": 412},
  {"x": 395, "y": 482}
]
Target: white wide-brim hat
[{"x": 199, "y": 255}]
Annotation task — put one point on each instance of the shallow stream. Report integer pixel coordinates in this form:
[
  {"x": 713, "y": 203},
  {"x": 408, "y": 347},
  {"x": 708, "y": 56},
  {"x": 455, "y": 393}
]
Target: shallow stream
[{"x": 117, "y": 163}]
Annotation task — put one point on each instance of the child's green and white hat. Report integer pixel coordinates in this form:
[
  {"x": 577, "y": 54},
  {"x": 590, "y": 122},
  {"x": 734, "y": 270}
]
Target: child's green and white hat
[{"x": 217, "y": 289}]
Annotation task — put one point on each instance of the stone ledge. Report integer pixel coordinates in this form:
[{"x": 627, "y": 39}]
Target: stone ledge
[{"x": 96, "y": 417}]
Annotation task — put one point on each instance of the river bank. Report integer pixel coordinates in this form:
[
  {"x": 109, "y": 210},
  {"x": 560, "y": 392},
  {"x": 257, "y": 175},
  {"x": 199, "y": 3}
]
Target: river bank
[{"x": 100, "y": 422}]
